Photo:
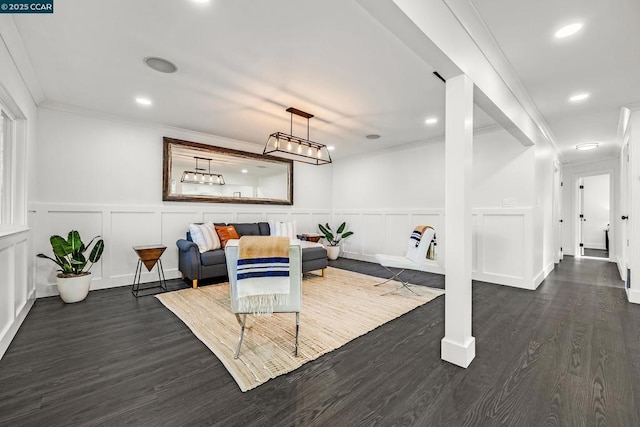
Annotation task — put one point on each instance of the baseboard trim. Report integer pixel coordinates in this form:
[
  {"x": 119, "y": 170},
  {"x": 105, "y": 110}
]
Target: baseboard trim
[
  {"x": 633, "y": 296},
  {"x": 543, "y": 274},
  {"x": 497, "y": 279},
  {"x": 51, "y": 289},
  {"x": 459, "y": 354},
  {"x": 621, "y": 269},
  {"x": 11, "y": 332}
]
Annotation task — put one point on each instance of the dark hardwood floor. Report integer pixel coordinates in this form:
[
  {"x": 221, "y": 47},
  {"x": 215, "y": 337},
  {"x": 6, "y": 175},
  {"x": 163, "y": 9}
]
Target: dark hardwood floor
[
  {"x": 566, "y": 354},
  {"x": 598, "y": 253}
]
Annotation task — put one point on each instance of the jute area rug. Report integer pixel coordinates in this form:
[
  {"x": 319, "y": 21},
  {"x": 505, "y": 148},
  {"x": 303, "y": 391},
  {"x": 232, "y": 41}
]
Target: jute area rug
[{"x": 335, "y": 309}]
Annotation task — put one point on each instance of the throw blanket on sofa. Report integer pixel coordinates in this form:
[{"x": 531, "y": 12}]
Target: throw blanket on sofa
[{"x": 263, "y": 273}]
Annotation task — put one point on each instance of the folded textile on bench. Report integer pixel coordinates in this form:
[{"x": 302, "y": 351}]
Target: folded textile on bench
[{"x": 262, "y": 273}]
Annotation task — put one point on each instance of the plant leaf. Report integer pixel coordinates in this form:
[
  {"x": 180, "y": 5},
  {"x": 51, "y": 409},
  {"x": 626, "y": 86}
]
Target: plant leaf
[
  {"x": 347, "y": 234},
  {"x": 61, "y": 248},
  {"x": 48, "y": 257},
  {"x": 96, "y": 253},
  {"x": 323, "y": 230},
  {"x": 328, "y": 227},
  {"x": 341, "y": 228},
  {"x": 75, "y": 241}
]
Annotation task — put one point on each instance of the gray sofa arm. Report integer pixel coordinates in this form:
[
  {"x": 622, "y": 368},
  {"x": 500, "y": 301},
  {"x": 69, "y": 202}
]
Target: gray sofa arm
[
  {"x": 185, "y": 245},
  {"x": 188, "y": 259}
]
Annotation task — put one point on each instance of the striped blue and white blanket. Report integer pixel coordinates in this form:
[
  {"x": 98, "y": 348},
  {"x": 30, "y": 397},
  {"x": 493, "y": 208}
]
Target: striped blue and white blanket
[
  {"x": 262, "y": 273},
  {"x": 416, "y": 235}
]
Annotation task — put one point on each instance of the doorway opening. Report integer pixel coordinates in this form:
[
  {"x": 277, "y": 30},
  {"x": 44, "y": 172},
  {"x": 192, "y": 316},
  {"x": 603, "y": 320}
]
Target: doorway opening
[{"x": 595, "y": 216}]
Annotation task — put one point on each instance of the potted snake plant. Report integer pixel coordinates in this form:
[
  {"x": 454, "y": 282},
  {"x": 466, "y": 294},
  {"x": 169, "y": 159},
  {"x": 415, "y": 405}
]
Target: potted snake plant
[
  {"x": 74, "y": 277},
  {"x": 334, "y": 238}
]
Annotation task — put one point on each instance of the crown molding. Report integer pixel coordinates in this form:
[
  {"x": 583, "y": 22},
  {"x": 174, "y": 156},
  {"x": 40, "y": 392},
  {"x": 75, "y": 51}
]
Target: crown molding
[{"x": 12, "y": 40}]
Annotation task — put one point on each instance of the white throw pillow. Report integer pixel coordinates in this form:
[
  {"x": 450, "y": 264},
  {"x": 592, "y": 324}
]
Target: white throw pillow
[
  {"x": 286, "y": 229},
  {"x": 205, "y": 236}
]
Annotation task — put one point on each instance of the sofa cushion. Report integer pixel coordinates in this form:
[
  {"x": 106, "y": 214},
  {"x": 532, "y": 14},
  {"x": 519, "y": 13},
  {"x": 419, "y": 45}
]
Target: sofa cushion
[
  {"x": 213, "y": 257},
  {"x": 247, "y": 229},
  {"x": 264, "y": 228},
  {"x": 317, "y": 252}
]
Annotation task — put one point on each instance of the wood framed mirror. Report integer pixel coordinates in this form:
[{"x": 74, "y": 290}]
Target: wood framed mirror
[{"x": 194, "y": 172}]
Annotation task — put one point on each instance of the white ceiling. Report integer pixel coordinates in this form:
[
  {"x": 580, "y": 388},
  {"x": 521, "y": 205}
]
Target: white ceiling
[
  {"x": 242, "y": 63},
  {"x": 602, "y": 59}
]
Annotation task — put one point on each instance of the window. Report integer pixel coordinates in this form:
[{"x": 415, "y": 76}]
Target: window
[{"x": 7, "y": 137}]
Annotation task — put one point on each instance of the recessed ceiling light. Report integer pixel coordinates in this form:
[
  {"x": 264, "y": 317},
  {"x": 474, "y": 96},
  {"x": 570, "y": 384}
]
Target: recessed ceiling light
[
  {"x": 143, "y": 101},
  {"x": 579, "y": 97},
  {"x": 587, "y": 146},
  {"x": 568, "y": 30},
  {"x": 372, "y": 136},
  {"x": 431, "y": 120},
  {"x": 245, "y": 171},
  {"x": 331, "y": 148},
  {"x": 160, "y": 64}
]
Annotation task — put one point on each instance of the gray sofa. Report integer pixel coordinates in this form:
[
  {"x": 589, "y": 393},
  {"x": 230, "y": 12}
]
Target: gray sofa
[{"x": 196, "y": 266}]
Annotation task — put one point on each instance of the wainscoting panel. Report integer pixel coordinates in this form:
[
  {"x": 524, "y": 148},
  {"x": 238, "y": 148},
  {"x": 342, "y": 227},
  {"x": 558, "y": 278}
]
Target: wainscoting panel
[
  {"x": 353, "y": 245},
  {"x": 17, "y": 292},
  {"x": 396, "y": 233},
  {"x": 6, "y": 290},
  {"x": 219, "y": 217},
  {"x": 373, "y": 243},
  {"x": 502, "y": 237},
  {"x": 20, "y": 295},
  {"x": 125, "y": 226},
  {"x": 503, "y": 245},
  {"x": 130, "y": 229},
  {"x": 173, "y": 229},
  {"x": 474, "y": 242},
  {"x": 251, "y": 217}
]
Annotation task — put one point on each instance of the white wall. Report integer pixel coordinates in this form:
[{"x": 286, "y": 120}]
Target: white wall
[
  {"x": 383, "y": 195},
  {"x": 403, "y": 178},
  {"x": 544, "y": 221},
  {"x": 596, "y": 211},
  {"x": 103, "y": 175},
  {"x": 629, "y": 132},
  {"x": 17, "y": 289}
]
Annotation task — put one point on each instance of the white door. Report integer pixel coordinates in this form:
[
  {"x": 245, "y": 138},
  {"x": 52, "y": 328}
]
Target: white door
[
  {"x": 624, "y": 208},
  {"x": 581, "y": 218}
]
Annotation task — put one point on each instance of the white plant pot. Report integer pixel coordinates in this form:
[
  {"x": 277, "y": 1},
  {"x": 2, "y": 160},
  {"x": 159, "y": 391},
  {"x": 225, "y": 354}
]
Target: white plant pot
[
  {"x": 74, "y": 289},
  {"x": 333, "y": 252}
]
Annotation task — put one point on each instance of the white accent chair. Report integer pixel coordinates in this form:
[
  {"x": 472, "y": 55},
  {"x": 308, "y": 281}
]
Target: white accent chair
[
  {"x": 415, "y": 259},
  {"x": 295, "y": 291}
]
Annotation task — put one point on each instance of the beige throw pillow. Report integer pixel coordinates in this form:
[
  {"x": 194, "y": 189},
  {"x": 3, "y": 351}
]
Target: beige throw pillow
[{"x": 205, "y": 236}]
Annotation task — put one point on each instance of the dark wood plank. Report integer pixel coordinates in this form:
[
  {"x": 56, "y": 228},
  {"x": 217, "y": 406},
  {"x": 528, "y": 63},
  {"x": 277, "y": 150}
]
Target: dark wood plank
[{"x": 566, "y": 354}]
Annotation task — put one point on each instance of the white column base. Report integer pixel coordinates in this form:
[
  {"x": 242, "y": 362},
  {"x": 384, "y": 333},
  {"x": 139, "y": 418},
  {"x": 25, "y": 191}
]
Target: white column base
[{"x": 458, "y": 354}]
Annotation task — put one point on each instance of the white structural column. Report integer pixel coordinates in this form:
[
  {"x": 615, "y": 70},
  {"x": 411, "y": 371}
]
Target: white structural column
[{"x": 458, "y": 346}]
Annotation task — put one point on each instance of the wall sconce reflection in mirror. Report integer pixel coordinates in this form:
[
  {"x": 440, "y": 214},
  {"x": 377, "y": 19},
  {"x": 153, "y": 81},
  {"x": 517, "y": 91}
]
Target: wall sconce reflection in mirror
[
  {"x": 229, "y": 176},
  {"x": 199, "y": 176}
]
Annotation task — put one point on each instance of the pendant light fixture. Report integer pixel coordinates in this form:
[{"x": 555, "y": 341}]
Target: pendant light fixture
[
  {"x": 295, "y": 148},
  {"x": 201, "y": 175}
]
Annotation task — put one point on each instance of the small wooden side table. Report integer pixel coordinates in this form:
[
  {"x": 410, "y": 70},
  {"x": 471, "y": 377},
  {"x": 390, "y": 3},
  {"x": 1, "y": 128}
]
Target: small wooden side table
[{"x": 148, "y": 255}]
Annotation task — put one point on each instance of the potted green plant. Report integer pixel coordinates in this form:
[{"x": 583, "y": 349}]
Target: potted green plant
[
  {"x": 334, "y": 239},
  {"x": 74, "y": 278}
]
